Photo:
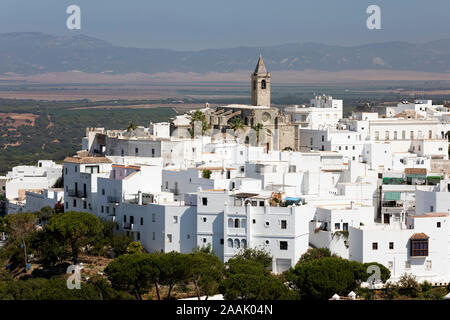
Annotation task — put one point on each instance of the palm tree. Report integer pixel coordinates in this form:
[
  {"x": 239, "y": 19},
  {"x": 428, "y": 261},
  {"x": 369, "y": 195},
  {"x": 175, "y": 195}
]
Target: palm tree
[
  {"x": 257, "y": 128},
  {"x": 237, "y": 124},
  {"x": 198, "y": 116},
  {"x": 131, "y": 126}
]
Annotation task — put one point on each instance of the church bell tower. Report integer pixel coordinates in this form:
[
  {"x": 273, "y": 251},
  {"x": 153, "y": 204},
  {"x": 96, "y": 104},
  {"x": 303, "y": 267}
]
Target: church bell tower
[{"x": 260, "y": 85}]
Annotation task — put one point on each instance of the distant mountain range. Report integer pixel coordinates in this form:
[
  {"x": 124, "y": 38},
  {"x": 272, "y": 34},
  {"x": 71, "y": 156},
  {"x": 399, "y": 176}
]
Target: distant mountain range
[{"x": 36, "y": 53}]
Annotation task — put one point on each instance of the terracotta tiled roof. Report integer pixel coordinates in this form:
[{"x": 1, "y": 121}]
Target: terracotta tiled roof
[
  {"x": 415, "y": 171},
  {"x": 87, "y": 160},
  {"x": 431, "y": 215},
  {"x": 419, "y": 236}
]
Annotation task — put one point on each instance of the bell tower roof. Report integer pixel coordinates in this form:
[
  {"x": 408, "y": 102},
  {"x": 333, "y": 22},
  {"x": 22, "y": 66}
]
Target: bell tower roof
[{"x": 260, "y": 67}]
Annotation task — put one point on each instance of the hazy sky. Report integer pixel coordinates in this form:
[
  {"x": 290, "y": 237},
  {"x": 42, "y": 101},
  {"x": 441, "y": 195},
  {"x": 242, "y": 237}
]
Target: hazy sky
[{"x": 200, "y": 24}]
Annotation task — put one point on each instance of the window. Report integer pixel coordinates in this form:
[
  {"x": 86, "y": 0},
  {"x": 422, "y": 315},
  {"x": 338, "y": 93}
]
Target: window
[
  {"x": 204, "y": 219},
  {"x": 438, "y": 224},
  {"x": 188, "y": 236},
  {"x": 411, "y": 135},
  {"x": 103, "y": 192},
  {"x": 428, "y": 265},
  {"x": 169, "y": 238},
  {"x": 387, "y": 135},
  {"x": 175, "y": 219},
  {"x": 124, "y": 218},
  {"x": 323, "y": 138},
  {"x": 345, "y": 226},
  {"x": 430, "y": 134},
  {"x": 390, "y": 265},
  {"x": 254, "y": 203},
  {"x": 346, "y": 147},
  {"x": 395, "y": 135},
  {"x": 261, "y": 203},
  {"x": 283, "y": 245},
  {"x": 374, "y": 245},
  {"x": 204, "y": 240},
  {"x": 419, "y": 247},
  {"x": 136, "y": 151},
  {"x": 236, "y": 223},
  {"x": 391, "y": 246},
  {"x": 254, "y": 221},
  {"x": 230, "y": 243},
  {"x": 67, "y": 205},
  {"x": 153, "y": 236},
  {"x": 66, "y": 170},
  {"x": 267, "y": 223},
  {"x": 153, "y": 217},
  {"x": 403, "y": 134},
  {"x": 74, "y": 203},
  {"x": 377, "y": 135},
  {"x": 283, "y": 224},
  {"x": 205, "y": 201},
  {"x": 142, "y": 221},
  {"x": 103, "y": 209},
  {"x": 84, "y": 204},
  {"x": 431, "y": 208},
  {"x": 153, "y": 152},
  {"x": 107, "y": 209},
  {"x": 407, "y": 265},
  {"x": 337, "y": 226},
  {"x": 221, "y": 241},
  {"x": 263, "y": 84}
]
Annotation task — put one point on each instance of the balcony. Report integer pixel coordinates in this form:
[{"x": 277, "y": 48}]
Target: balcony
[
  {"x": 76, "y": 194},
  {"x": 113, "y": 199},
  {"x": 128, "y": 226}
]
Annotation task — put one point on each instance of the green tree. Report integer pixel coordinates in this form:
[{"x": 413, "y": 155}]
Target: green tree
[
  {"x": 131, "y": 126},
  {"x": 409, "y": 286},
  {"x": 103, "y": 240},
  {"x": 205, "y": 271},
  {"x": 237, "y": 124},
  {"x": 120, "y": 244},
  {"x": 258, "y": 255},
  {"x": 173, "y": 269},
  {"x": 258, "y": 127},
  {"x": 198, "y": 116},
  {"x": 206, "y": 174},
  {"x": 385, "y": 274},
  {"x": 20, "y": 227},
  {"x": 322, "y": 278},
  {"x": 248, "y": 279},
  {"x": 50, "y": 247},
  {"x": 135, "y": 273},
  {"x": 77, "y": 229},
  {"x": 135, "y": 247},
  {"x": 315, "y": 253}
]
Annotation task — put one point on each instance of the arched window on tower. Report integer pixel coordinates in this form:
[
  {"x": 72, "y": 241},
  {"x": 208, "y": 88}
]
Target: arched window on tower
[
  {"x": 254, "y": 84},
  {"x": 263, "y": 84}
]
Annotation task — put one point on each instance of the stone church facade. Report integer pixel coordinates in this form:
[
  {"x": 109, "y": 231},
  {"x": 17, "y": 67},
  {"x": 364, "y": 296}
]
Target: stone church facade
[{"x": 281, "y": 133}]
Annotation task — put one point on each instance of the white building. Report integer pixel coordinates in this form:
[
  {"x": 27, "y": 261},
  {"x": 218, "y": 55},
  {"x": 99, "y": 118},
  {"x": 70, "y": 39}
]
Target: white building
[{"x": 419, "y": 247}]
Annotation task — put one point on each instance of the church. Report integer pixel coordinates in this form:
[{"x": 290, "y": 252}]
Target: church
[{"x": 280, "y": 133}]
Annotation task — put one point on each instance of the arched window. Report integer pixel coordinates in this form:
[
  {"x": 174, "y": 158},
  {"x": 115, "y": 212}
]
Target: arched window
[
  {"x": 244, "y": 243},
  {"x": 254, "y": 84},
  {"x": 263, "y": 84},
  {"x": 237, "y": 243},
  {"x": 230, "y": 243},
  {"x": 243, "y": 223},
  {"x": 230, "y": 223},
  {"x": 236, "y": 223}
]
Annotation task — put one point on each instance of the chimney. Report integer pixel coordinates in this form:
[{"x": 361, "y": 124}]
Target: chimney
[{"x": 140, "y": 198}]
